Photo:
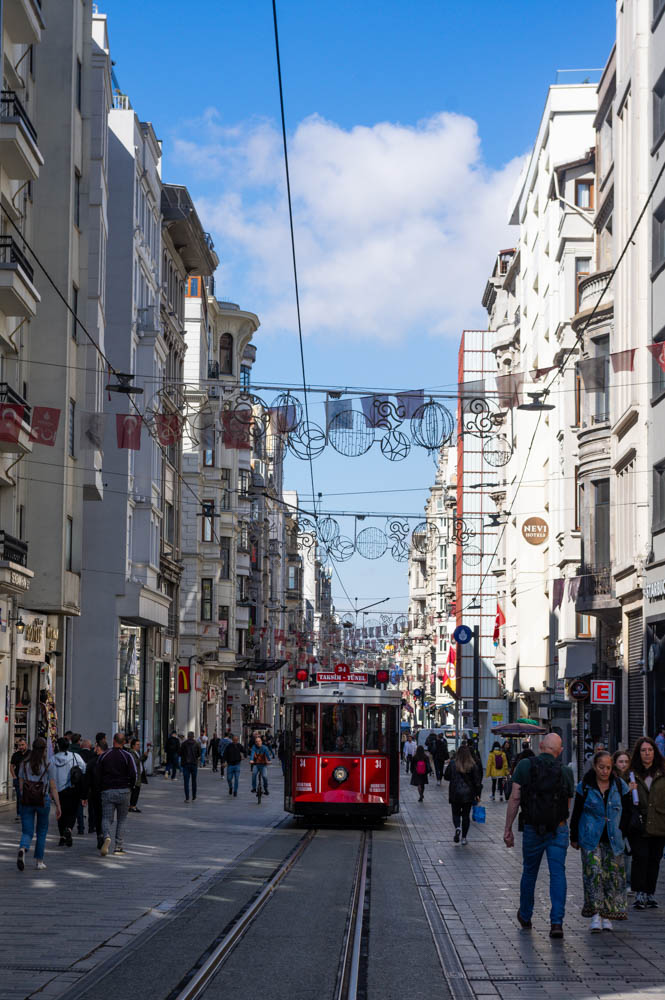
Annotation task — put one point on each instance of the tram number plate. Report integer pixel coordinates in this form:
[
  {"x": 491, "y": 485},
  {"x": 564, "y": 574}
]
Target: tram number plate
[{"x": 305, "y": 776}]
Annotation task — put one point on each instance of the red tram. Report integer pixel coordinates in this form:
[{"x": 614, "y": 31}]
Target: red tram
[{"x": 342, "y": 744}]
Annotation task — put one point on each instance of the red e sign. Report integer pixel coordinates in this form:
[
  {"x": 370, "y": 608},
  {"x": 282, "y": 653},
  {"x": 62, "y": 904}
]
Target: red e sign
[{"x": 602, "y": 692}]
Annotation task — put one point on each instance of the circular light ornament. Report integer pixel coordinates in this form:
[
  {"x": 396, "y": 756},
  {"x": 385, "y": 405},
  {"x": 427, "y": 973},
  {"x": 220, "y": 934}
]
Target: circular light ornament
[{"x": 340, "y": 774}]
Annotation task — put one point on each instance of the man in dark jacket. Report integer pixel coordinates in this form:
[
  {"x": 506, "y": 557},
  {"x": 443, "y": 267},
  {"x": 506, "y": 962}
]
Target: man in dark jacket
[
  {"x": 214, "y": 750},
  {"x": 94, "y": 793},
  {"x": 233, "y": 754},
  {"x": 440, "y": 755},
  {"x": 190, "y": 751},
  {"x": 172, "y": 752},
  {"x": 116, "y": 776}
]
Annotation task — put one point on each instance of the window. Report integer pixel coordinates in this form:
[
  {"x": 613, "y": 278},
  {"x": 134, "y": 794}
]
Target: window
[
  {"x": 226, "y": 354},
  {"x": 584, "y": 194},
  {"x": 169, "y": 523},
  {"x": 578, "y": 399},
  {"x": 582, "y": 270},
  {"x": 376, "y": 734},
  {"x": 583, "y": 626},
  {"x": 601, "y": 549},
  {"x": 207, "y": 520},
  {"x": 69, "y": 541},
  {"x": 304, "y": 729},
  {"x": 658, "y": 6},
  {"x": 79, "y": 84},
  {"x": 243, "y": 537},
  {"x": 659, "y": 109},
  {"x": 240, "y": 641},
  {"x": 658, "y": 250},
  {"x": 75, "y": 312},
  {"x": 657, "y": 378},
  {"x": 292, "y": 578},
  {"x": 206, "y": 599},
  {"x": 21, "y": 522},
  {"x": 225, "y": 477},
  {"x": 225, "y": 558},
  {"x": 659, "y": 495},
  {"x": 193, "y": 287},
  {"x": 245, "y": 373},
  {"x": 241, "y": 589},
  {"x": 209, "y": 451},
  {"x": 602, "y": 401},
  {"x": 77, "y": 199},
  {"x": 71, "y": 429},
  {"x": 579, "y": 498},
  {"x": 243, "y": 483},
  {"x": 223, "y": 621},
  {"x": 340, "y": 728}
]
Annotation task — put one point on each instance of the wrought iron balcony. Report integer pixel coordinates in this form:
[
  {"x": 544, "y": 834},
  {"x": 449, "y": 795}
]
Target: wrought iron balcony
[
  {"x": 13, "y": 549},
  {"x": 9, "y": 395},
  {"x": 595, "y": 580},
  {"x": 11, "y": 107},
  {"x": 10, "y": 253}
]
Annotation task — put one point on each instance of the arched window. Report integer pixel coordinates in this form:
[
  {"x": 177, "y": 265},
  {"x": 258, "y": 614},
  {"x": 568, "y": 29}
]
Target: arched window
[{"x": 226, "y": 354}]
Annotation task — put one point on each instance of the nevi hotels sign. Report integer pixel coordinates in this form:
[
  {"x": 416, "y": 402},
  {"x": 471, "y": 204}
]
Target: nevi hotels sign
[{"x": 535, "y": 531}]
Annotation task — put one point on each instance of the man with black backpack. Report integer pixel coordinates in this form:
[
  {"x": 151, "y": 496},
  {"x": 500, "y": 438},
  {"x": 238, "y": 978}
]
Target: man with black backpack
[{"x": 543, "y": 788}]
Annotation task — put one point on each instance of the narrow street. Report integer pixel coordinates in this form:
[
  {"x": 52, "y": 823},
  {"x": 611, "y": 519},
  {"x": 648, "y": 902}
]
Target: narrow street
[{"x": 139, "y": 924}]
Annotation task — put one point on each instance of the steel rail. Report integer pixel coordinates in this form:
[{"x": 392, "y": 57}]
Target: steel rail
[
  {"x": 213, "y": 963},
  {"x": 349, "y": 967}
]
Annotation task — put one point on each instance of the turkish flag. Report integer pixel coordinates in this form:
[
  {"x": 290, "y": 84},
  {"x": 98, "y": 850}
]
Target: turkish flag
[
  {"x": 658, "y": 353},
  {"x": 128, "y": 430},
  {"x": 11, "y": 418},
  {"x": 45, "y": 421},
  {"x": 498, "y": 622},
  {"x": 169, "y": 428},
  {"x": 235, "y": 430}
]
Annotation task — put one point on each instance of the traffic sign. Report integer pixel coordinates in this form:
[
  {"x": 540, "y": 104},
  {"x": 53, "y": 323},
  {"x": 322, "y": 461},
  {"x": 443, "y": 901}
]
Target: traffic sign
[
  {"x": 462, "y": 634},
  {"x": 602, "y": 692},
  {"x": 417, "y": 693}
]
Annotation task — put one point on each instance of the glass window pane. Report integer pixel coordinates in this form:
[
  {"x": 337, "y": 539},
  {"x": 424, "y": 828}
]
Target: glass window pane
[
  {"x": 375, "y": 736},
  {"x": 340, "y": 729}
]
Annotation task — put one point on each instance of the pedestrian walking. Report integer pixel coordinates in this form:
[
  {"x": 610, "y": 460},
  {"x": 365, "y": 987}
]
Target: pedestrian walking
[
  {"x": 37, "y": 789},
  {"x": 20, "y": 754},
  {"x": 223, "y": 743},
  {"x": 116, "y": 773},
  {"x": 497, "y": 769},
  {"x": 465, "y": 785},
  {"x": 420, "y": 769},
  {"x": 70, "y": 782},
  {"x": 542, "y": 789},
  {"x": 621, "y": 761},
  {"x": 190, "y": 752},
  {"x": 660, "y": 740},
  {"x": 259, "y": 755},
  {"x": 647, "y": 833},
  {"x": 94, "y": 793},
  {"x": 440, "y": 755},
  {"x": 141, "y": 777},
  {"x": 214, "y": 751},
  {"x": 233, "y": 754},
  {"x": 172, "y": 752},
  {"x": 410, "y": 748},
  {"x": 600, "y": 819},
  {"x": 203, "y": 743},
  {"x": 281, "y": 751}
]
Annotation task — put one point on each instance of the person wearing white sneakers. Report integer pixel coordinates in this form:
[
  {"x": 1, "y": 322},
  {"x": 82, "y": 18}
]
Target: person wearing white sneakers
[
  {"x": 600, "y": 820},
  {"x": 37, "y": 788}
]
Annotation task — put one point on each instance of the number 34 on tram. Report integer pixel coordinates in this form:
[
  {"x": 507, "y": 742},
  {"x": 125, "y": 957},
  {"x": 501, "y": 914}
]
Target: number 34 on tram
[{"x": 342, "y": 745}]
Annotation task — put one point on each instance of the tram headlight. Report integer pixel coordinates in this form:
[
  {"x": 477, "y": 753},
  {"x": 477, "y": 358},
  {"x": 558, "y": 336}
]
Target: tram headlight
[{"x": 340, "y": 774}]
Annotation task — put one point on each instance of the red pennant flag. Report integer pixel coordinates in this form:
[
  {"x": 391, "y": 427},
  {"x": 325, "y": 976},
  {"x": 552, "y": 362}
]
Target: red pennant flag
[
  {"x": 168, "y": 427},
  {"x": 538, "y": 373},
  {"x": 498, "y": 622},
  {"x": 128, "y": 430},
  {"x": 658, "y": 353},
  {"x": 45, "y": 421},
  {"x": 11, "y": 418},
  {"x": 235, "y": 430},
  {"x": 623, "y": 361}
]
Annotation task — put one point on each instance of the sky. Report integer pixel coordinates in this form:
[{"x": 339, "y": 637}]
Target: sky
[{"x": 407, "y": 124}]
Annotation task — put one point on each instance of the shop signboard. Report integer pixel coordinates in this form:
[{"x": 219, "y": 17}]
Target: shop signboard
[
  {"x": 535, "y": 530},
  {"x": 579, "y": 690},
  {"x": 602, "y": 692},
  {"x": 31, "y": 643}
]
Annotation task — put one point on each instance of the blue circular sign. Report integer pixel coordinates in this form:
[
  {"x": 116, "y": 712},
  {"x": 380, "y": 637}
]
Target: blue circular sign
[
  {"x": 462, "y": 634},
  {"x": 417, "y": 693}
]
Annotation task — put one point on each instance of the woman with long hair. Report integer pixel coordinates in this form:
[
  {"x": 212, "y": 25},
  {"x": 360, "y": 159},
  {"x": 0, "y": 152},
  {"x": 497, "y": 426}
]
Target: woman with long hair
[
  {"x": 621, "y": 769},
  {"x": 466, "y": 782},
  {"x": 37, "y": 787},
  {"x": 420, "y": 768},
  {"x": 600, "y": 817},
  {"x": 647, "y": 836}
]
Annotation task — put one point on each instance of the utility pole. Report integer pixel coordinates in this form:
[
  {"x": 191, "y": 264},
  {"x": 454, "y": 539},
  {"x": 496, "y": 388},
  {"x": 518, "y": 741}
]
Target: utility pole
[
  {"x": 476, "y": 678},
  {"x": 458, "y": 689}
]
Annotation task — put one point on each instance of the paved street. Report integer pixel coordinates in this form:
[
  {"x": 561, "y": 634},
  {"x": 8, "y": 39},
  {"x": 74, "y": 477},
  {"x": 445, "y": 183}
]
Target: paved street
[{"x": 92, "y": 907}]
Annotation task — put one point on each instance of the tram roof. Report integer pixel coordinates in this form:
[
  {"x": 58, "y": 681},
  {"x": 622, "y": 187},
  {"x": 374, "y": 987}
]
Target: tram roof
[{"x": 350, "y": 693}]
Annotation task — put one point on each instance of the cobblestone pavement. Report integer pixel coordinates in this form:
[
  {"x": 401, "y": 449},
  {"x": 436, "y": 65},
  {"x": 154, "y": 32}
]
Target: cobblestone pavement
[
  {"x": 477, "y": 891},
  {"x": 88, "y": 906}
]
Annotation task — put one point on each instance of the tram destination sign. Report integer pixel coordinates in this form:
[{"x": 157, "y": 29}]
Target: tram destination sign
[{"x": 337, "y": 678}]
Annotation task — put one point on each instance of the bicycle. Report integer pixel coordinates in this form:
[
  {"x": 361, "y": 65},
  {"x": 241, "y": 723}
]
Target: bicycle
[{"x": 259, "y": 781}]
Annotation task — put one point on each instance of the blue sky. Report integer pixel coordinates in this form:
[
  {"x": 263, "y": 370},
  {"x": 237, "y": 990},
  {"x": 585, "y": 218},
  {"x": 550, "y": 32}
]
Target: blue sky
[{"x": 407, "y": 122}]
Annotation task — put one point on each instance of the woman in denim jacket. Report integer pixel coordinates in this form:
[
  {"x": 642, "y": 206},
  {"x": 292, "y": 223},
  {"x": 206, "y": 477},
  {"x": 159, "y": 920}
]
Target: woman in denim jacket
[{"x": 600, "y": 819}]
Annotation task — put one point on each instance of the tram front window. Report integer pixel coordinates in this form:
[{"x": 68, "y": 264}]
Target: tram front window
[
  {"x": 340, "y": 729},
  {"x": 377, "y": 729},
  {"x": 305, "y": 728}
]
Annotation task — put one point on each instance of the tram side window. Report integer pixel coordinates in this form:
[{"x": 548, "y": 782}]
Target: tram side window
[
  {"x": 340, "y": 728},
  {"x": 305, "y": 728},
  {"x": 376, "y": 733}
]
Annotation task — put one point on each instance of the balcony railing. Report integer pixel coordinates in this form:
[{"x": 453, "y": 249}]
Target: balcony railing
[
  {"x": 213, "y": 369},
  {"x": 13, "y": 550},
  {"x": 147, "y": 318},
  {"x": 11, "y": 107},
  {"x": 11, "y": 254},
  {"x": 595, "y": 581},
  {"x": 9, "y": 395}
]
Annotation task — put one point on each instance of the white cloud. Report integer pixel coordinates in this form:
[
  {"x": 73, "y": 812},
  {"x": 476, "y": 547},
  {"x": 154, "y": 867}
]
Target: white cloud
[{"x": 396, "y": 226}]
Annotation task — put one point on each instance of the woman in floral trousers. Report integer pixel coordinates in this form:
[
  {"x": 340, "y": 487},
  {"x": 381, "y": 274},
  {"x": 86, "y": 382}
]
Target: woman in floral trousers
[{"x": 600, "y": 819}]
